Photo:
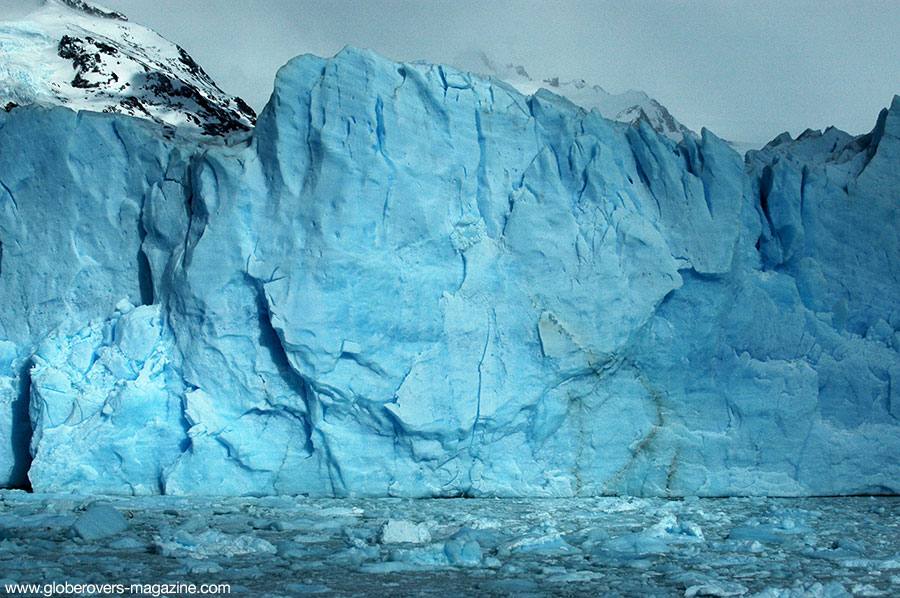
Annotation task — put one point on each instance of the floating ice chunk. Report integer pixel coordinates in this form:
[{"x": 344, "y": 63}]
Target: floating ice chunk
[
  {"x": 657, "y": 539},
  {"x": 768, "y": 532},
  {"x": 194, "y": 566},
  {"x": 461, "y": 553},
  {"x": 430, "y": 556},
  {"x": 99, "y": 521},
  {"x": 127, "y": 543},
  {"x": 870, "y": 564},
  {"x": 832, "y": 589},
  {"x": 717, "y": 588},
  {"x": 674, "y": 530},
  {"x": 545, "y": 544},
  {"x": 210, "y": 543},
  {"x": 867, "y": 590},
  {"x": 634, "y": 544},
  {"x": 398, "y": 531}
]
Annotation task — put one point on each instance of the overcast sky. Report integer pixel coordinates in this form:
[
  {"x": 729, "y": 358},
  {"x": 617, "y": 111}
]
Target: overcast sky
[{"x": 746, "y": 70}]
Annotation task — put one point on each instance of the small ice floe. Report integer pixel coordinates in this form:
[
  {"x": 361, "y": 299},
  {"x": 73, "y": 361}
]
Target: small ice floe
[
  {"x": 840, "y": 550},
  {"x": 702, "y": 584},
  {"x": 672, "y": 530},
  {"x": 461, "y": 553},
  {"x": 831, "y": 589},
  {"x": 308, "y": 589},
  {"x": 194, "y": 566},
  {"x": 340, "y": 512},
  {"x": 126, "y": 543},
  {"x": 871, "y": 564},
  {"x": 867, "y": 590},
  {"x": 657, "y": 539},
  {"x": 562, "y": 575},
  {"x": 768, "y": 533},
  {"x": 545, "y": 544},
  {"x": 99, "y": 521},
  {"x": 483, "y": 523},
  {"x": 408, "y": 558},
  {"x": 209, "y": 543},
  {"x": 610, "y": 504},
  {"x": 398, "y": 531},
  {"x": 486, "y": 537},
  {"x": 715, "y": 587}
]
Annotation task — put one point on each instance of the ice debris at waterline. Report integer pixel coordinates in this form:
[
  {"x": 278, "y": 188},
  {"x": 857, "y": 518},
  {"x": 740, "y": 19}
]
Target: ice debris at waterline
[
  {"x": 411, "y": 281},
  {"x": 273, "y": 547}
]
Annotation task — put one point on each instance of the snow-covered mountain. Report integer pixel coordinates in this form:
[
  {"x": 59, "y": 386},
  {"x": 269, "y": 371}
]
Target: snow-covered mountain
[
  {"x": 70, "y": 53},
  {"x": 629, "y": 107}
]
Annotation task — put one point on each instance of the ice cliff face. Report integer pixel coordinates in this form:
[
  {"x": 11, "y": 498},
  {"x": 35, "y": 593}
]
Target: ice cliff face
[
  {"x": 70, "y": 53},
  {"x": 415, "y": 282}
]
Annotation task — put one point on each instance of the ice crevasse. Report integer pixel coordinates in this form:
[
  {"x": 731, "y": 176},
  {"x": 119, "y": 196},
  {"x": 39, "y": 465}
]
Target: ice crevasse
[{"x": 411, "y": 281}]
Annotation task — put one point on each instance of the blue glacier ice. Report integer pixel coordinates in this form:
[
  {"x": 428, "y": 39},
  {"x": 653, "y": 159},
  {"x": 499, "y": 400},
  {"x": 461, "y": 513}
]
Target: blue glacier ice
[{"x": 411, "y": 281}]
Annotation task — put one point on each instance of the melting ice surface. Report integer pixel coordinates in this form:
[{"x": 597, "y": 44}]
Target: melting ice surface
[{"x": 607, "y": 547}]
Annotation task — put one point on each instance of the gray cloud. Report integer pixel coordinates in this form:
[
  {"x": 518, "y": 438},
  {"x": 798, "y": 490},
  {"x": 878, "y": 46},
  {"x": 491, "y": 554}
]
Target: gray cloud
[{"x": 746, "y": 70}]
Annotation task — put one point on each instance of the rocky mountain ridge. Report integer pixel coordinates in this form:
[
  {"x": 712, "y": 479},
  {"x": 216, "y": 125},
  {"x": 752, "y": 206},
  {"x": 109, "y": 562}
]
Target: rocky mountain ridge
[{"x": 74, "y": 54}]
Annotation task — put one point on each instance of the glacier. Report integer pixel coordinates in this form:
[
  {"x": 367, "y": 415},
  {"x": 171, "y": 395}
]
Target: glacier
[{"x": 410, "y": 281}]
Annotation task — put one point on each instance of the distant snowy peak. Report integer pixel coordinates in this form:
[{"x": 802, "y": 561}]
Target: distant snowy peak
[
  {"x": 80, "y": 55},
  {"x": 629, "y": 107}
]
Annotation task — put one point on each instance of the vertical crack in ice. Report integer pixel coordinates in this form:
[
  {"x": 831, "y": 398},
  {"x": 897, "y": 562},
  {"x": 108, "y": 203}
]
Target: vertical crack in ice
[
  {"x": 670, "y": 476},
  {"x": 443, "y": 77},
  {"x": 487, "y": 340},
  {"x": 804, "y": 173},
  {"x": 304, "y": 388},
  {"x": 706, "y": 199},
  {"x": 801, "y": 453},
  {"x": 380, "y": 140},
  {"x": 22, "y": 432},
  {"x": 11, "y": 196},
  {"x": 482, "y": 182},
  {"x": 465, "y": 267},
  {"x": 766, "y": 181},
  {"x": 379, "y": 125},
  {"x": 634, "y": 137},
  {"x": 270, "y": 339},
  {"x": 198, "y": 214},
  {"x": 144, "y": 272}
]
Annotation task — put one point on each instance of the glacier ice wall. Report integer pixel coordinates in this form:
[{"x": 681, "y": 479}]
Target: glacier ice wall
[
  {"x": 414, "y": 282},
  {"x": 76, "y": 194}
]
